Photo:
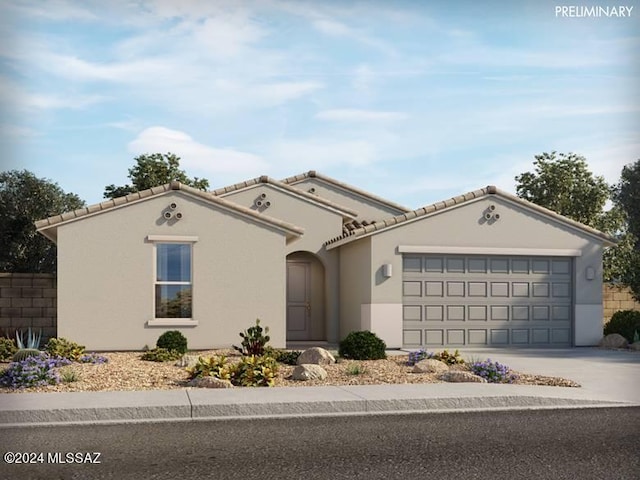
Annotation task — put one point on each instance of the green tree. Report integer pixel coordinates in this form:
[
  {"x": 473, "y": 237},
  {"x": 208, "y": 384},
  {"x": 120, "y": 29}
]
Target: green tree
[
  {"x": 152, "y": 170},
  {"x": 24, "y": 198},
  {"x": 626, "y": 195},
  {"x": 563, "y": 183}
]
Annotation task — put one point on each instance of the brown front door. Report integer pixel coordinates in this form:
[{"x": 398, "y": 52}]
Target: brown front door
[{"x": 298, "y": 300}]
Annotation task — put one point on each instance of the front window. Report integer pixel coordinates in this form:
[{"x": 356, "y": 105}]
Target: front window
[{"x": 173, "y": 280}]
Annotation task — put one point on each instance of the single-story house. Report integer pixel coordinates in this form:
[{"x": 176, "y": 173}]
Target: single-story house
[{"x": 315, "y": 258}]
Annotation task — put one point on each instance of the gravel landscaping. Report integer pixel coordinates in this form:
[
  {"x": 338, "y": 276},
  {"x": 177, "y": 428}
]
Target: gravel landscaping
[{"x": 126, "y": 371}]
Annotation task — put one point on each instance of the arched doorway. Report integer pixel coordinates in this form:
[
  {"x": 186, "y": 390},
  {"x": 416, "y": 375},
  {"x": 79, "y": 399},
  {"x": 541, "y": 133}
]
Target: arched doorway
[{"x": 305, "y": 297}]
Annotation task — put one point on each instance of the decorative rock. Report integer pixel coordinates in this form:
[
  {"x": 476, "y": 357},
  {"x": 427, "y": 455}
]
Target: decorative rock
[
  {"x": 430, "y": 366},
  {"x": 459, "y": 376},
  {"x": 210, "y": 382},
  {"x": 614, "y": 340},
  {"x": 187, "y": 361},
  {"x": 316, "y": 356},
  {"x": 309, "y": 372},
  {"x": 635, "y": 346}
]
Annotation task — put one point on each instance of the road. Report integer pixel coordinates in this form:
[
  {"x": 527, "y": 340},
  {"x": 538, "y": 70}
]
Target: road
[{"x": 543, "y": 444}]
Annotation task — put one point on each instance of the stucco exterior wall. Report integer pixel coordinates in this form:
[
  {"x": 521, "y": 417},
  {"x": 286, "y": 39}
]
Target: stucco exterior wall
[
  {"x": 106, "y": 284},
  {"x": 465, "y": 227},
  {"x": 355, "y": 290},
  {"x": 367, "y": 209},
  {"x": 319, "y": 225}
]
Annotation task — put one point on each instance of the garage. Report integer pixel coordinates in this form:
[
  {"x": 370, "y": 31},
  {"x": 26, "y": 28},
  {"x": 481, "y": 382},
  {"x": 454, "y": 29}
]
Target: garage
[{"x": 476, "y": 300}]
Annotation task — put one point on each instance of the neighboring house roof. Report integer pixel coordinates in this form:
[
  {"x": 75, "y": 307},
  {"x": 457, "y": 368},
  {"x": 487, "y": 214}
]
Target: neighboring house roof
[
  {"x": 313, "y": 174},
  {"x": 381, "y": 225},
  {"x": 49, "y": 225},
  {"x": 346, "y": 212}
]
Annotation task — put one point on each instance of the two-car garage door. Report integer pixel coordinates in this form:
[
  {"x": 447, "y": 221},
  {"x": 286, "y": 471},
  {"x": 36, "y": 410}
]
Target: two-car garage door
[{"x": 458, "y": 300}]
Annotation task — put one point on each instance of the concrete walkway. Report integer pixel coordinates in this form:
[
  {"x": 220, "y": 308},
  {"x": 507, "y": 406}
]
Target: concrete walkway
[{"x": 607, "y": 378}]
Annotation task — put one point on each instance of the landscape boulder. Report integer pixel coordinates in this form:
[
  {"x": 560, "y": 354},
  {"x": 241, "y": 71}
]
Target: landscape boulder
[
  {"x": 430, "y": 366},
  {"x": 614, "y": 340},
  {"x": 309, "y": 371},
  {"x": 635, "y": 346},
  {"x": 210, "y": 382},
  {"x": 187, "y": 361},
  {"x": 460, "y": 376},
  {"x": 316, "y": 356}
]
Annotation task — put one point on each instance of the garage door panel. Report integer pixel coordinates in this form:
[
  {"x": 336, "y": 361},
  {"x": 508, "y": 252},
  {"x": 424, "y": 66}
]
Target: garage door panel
[
  {"x": 487, "y": 300},
  {"x": 412, "y": 338}
]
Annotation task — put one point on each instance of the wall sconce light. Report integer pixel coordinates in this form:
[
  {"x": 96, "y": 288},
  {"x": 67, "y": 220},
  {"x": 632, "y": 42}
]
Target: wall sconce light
[
  {"x": 387, "y": 270},
  {"x": 590, "y": 274}
]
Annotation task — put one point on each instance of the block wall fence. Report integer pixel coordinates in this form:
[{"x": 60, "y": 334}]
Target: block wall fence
[{"x": 29, "y": 300}]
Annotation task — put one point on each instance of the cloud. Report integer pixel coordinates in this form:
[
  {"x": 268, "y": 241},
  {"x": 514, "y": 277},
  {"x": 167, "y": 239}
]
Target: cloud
[
  {"x": 196, "y": 156},
  {"x": 321, "y": 153},
  {"x": 354, "y": 115},
  {"x": 337, "y": 29}
]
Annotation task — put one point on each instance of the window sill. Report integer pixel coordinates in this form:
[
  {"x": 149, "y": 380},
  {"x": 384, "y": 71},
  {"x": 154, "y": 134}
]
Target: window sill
[{"x": 172, "y": 322}]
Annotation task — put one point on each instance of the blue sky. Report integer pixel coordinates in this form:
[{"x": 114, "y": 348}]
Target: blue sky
[{"x": 415, "y": 101}]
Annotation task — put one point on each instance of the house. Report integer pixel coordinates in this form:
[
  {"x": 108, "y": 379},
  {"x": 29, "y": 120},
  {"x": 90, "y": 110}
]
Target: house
[{"x": 315, "y": 258}]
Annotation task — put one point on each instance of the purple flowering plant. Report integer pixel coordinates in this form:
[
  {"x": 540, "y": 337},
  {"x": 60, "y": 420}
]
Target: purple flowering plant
[
  {"x": 93, "y": 358},
  {"x": 418, "y": 356},
  {"x": 493, "y": 372},
  {"x": 33, "y": 371}
]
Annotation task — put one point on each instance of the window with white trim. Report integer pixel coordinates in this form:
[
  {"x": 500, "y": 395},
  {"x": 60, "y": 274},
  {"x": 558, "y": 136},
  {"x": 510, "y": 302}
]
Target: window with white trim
[{"x": 173, "y": 282}]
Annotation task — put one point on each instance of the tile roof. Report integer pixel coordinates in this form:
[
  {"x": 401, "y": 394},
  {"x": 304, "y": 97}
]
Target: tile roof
[
  {"x": 56, "y": 220},
  {"x": 380, "y": 225},
  {"x": 313, "y": 174},
  {"x": 268, "y": 180}
]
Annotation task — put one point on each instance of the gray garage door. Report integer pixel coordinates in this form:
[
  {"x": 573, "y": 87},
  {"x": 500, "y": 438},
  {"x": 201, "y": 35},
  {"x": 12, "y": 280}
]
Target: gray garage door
[{"x": 459, "y": 300}]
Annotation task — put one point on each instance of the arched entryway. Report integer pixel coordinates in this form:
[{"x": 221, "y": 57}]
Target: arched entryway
[{"x": 305, "y": 297}]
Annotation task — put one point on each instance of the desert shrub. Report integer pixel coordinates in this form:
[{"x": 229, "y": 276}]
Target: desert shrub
[
  {"x": 493, "y": 372},
  {"x": 355, "y": 369},
  {"x": 173, "y": 340},
  {"x": 93, "y": 358},
  {"x": 362, "y": 345},
  {"x": 449, "y": 358},
  {"x": 624, "y": 322},
  {"x": 69, "y": 375},
  {"x": 7, "y": 348},
  {"x": 288, "y": 357},
  {"x": 33, "y": 371},
  {"x": 61, "y": 347},
  {"x": 253, "y": 340},
  {"x": 24, "y": 353},
  {"x": 255, "y": 371},
  {"x": 161, "y": 355},
  {"x": 215, "y": 366}
]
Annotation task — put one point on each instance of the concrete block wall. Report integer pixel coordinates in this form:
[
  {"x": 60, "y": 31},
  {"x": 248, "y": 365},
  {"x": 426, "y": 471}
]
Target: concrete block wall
[
  {"x": 617, "y": 298},
  {"x": 28, "y": 300}
]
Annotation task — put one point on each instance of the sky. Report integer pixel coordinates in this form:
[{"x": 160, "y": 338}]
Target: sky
[{"x": 414, "y": 101}]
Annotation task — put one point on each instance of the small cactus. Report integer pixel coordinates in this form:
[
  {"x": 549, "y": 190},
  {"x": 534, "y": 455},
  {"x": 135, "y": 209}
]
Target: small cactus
[{"x": 25, "y": 353}]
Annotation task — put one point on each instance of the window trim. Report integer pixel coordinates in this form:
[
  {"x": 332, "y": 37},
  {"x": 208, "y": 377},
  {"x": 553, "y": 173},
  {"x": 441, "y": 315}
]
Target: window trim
[{"x": 167, "y": 321}]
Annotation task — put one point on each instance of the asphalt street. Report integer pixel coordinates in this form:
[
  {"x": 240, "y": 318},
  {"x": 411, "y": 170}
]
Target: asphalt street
[{"x": 592, "y": 443}]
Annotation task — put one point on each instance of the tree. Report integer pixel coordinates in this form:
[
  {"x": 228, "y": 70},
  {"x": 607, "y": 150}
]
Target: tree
[
  {"x": 152, "y": 170},
  {"x": 24, "y": 198},
  {"x": 563, "y": 183},
  {"x": 626, "y": 195}
]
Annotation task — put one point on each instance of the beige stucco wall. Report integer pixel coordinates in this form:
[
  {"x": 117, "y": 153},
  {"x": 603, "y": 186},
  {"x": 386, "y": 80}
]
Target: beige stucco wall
[
  {"x": 368, "y": 209},
  {"x": 105, "y": 275},
  {"x": 355, "y": 291},
  {"x": 319, "y": 224},
  {"x": 464, "y": 227}
]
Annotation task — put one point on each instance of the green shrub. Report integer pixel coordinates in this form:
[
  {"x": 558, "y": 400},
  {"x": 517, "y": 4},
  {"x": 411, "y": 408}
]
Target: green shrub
[
  {"x": 253, "y": 341},
  {"x": 173, "y": 340},
  {"x": 7, "y": 348},
  {"x": 624, "y": 322},
  {"x": 63, "y": 348},
  {"x": 69, "y": 375},
  {"x": 24, "y": 353},
  {"x": 217, "y": 367},
  {"x": 355, "y": 369},
  {"x": 255, "y": 371},
  {"x": 362, "y": 345},
  {"x": 161, "y": 355},
  {"x": 448, "y": 358},
  {"x": 288, "y": 357}
]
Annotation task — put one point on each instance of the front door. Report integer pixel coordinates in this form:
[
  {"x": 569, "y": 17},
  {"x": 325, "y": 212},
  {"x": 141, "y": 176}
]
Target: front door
[{"x": 298, "y": 300}]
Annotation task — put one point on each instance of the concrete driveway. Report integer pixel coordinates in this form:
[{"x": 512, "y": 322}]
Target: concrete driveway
[{"x": 604, "y": 374}]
